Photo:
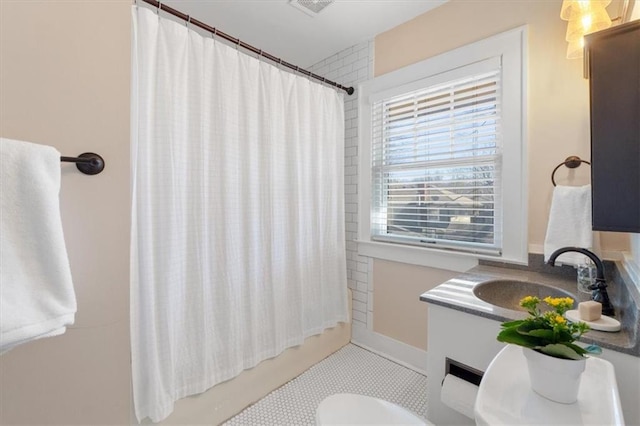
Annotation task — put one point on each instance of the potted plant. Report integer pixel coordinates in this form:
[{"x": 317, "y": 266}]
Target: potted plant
[{"x": 555, "y": 362}]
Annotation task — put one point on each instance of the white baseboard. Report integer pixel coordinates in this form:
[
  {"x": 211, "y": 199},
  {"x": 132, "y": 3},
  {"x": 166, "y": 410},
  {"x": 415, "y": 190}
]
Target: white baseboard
[{"x": 399, "y": 352}]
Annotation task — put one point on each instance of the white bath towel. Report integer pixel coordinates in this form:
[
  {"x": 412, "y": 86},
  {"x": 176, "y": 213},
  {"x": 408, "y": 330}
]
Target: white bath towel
[
  {"x": 569, "y": 223},
  {"x": 36, "y": 292}
]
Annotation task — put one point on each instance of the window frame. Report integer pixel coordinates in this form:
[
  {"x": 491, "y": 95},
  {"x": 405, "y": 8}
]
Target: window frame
[{"x": 510, "y": 48}]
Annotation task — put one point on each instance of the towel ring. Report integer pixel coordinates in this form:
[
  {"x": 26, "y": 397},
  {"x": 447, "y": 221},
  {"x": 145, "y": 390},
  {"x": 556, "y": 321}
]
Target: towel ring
[{"x": 571, "y": 162}]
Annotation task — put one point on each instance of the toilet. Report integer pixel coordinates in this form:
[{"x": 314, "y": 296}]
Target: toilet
[{"x": 352, "y": 409}]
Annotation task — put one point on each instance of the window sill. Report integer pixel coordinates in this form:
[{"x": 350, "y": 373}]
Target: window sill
[{"x": 441, "y": 259}]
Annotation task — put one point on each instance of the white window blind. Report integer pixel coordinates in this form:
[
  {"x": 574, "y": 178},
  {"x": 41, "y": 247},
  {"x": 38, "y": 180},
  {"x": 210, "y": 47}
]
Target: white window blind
[{"x": 436, "y": 165}]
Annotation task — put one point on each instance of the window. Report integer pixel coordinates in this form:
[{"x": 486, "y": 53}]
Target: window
[
  {"x": 441, "y": 153},
  {"x": 435, "y": 162}
]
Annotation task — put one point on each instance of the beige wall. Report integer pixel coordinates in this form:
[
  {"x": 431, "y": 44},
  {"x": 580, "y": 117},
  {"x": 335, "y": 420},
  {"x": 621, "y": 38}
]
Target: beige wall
[
  {"x": 397, "y": 309},
  {"x": 558, "y": 117},
  {"x": 65, "y": 68}
]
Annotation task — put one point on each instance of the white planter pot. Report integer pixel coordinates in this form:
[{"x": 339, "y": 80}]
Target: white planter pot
[{"x": 554, "y": 378}]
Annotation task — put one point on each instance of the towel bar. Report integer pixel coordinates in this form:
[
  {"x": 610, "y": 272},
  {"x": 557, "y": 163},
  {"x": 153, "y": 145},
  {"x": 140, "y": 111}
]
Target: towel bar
[
  {"x": 88, "y": 163},
  {"x": 571, "y": 162}
]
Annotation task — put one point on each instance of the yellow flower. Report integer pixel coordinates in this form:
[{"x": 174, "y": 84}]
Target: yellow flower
[
  {"x": 548, "y": 326},
  {"x": 560, "y": 303},
  {"x": 529, "y": 302}
]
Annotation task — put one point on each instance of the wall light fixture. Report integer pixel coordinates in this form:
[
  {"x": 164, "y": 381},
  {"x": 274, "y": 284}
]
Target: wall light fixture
[{"x": 584, "y": 16}]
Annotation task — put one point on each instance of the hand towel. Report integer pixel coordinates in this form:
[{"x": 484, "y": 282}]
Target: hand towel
[
  {"x": 569, "y": 223},
  {"x": 36, "y": 291}
]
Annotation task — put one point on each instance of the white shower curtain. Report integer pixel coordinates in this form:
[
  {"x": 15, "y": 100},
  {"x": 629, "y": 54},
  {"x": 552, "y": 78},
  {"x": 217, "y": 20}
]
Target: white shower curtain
[{"x": 237, "y": 247}]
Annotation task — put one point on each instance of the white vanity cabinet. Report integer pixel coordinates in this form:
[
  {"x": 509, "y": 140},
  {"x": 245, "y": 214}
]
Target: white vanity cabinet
[{"x": 460, "y": 336}]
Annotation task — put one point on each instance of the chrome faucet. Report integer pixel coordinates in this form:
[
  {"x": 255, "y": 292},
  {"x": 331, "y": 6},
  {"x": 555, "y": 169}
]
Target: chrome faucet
[{"x": 599, "y": 289}]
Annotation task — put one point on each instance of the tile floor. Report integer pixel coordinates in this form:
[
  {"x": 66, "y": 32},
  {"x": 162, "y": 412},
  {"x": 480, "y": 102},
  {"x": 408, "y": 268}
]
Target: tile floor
[{"x": 352, "y": 369}]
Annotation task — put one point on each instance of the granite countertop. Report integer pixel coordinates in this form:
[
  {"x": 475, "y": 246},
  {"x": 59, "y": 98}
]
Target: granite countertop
[{"x": 457, "y": 293}]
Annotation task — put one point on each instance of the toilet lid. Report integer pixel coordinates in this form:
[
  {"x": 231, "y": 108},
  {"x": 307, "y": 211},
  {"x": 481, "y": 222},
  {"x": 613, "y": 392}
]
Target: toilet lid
[{"x": 352, "y": 409}]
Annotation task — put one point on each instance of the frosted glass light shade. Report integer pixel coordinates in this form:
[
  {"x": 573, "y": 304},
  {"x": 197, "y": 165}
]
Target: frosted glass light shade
[
  {"x": 575, "y": 49},
  {"x": 579, "y": 7},
  {"x": 584, "y": 16},
  {"x": 595, "y": 20}
]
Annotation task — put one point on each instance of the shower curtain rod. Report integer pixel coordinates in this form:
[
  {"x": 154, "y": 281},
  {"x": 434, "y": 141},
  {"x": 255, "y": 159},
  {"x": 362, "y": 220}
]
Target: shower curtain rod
[{"x": 240, "y": 43}]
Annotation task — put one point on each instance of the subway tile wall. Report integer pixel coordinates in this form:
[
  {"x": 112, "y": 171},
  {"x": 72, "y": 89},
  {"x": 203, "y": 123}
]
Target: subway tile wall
[{"x": 350, "y": 67}]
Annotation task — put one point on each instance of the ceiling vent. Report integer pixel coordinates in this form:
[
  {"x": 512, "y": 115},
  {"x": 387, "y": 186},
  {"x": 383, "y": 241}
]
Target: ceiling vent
[{"x": 310, "y": 7}]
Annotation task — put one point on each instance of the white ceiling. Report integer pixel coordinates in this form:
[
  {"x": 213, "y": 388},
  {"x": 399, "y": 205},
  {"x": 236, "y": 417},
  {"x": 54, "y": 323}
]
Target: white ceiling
[{"x": 284, "y": 31}]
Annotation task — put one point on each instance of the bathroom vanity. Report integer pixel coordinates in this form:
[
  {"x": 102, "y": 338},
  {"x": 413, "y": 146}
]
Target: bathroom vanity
[{"x": 463, "y": 327}]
